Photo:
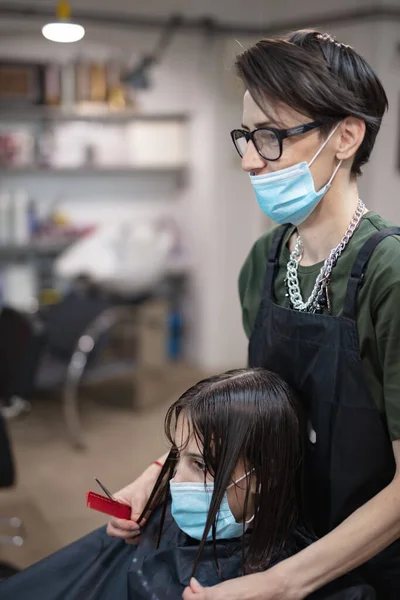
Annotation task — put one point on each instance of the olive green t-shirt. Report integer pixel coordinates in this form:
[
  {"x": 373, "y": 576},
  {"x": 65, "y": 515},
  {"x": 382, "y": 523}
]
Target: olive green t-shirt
[{"x": 378, "y": 307}]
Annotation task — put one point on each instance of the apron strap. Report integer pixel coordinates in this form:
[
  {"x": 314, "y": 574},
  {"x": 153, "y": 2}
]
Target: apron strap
[
  {"x": 358, "y": 270},
  {"x": 273, "y": 260}
]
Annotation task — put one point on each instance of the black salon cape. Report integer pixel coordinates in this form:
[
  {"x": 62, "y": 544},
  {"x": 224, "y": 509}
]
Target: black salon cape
[{"x": 98, "y": 567}]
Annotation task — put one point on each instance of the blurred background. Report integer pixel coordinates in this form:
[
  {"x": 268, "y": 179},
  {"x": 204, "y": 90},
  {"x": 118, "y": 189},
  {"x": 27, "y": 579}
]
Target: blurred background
[{"x": 124, "y": 220}]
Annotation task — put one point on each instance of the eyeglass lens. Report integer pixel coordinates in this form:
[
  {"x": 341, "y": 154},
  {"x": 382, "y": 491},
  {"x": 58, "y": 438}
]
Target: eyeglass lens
[{"x": 265, "y": 141}]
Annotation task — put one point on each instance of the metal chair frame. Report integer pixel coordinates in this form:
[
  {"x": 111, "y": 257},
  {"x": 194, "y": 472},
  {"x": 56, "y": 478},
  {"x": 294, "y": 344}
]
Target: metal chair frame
[{"x": 77, "y": 364}]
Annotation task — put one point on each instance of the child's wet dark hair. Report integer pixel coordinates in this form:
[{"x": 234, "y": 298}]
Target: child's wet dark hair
[{"x": 252, "y": 416}]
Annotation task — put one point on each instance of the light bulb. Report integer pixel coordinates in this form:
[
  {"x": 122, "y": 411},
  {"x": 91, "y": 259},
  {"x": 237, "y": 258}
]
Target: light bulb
[{"x": 63, "y": 32}]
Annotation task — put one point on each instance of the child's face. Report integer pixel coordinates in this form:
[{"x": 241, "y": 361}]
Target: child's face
[{"x": 190, "y": 467}]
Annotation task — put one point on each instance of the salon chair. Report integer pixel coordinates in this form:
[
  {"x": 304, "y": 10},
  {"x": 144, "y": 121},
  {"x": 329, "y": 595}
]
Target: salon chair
[
  {"x": 15, "y": 335},
  {"x": 15, "y": 332},
  {"x": 69, "y": 348},
  {"x": 127, "y": 259},
  {"x": 9, "y": 526}
]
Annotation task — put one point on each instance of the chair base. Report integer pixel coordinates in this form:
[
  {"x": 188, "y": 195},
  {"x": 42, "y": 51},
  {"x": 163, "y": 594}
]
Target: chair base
[
  {"x": 9, "y": 538},
  {"x": 15, "y": 407},
  {"x": 7, "y": 571}
]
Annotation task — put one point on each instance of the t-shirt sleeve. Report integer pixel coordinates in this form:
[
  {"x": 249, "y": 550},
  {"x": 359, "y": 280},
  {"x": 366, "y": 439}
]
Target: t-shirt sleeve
[
  {"x": 386, "y": 316},
  {"x": 245, "y": 277},
  {"x": 251, "y": 281}
]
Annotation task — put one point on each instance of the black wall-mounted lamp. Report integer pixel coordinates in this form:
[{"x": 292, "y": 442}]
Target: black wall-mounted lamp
[{"x": 139, "y": 77}]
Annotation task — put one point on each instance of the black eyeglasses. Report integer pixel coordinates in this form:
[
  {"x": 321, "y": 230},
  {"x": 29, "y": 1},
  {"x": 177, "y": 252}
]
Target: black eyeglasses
[{"x": 267, "y": 140}]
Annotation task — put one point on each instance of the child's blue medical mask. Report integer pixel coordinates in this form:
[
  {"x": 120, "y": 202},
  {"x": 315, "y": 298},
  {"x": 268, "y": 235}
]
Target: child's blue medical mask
[
  {"x": 288, "y": 195},
  {"x": 190, "y": 506}
]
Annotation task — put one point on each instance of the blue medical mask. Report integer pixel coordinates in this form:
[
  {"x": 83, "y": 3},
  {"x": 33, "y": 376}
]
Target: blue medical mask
[
  {"x": 190, "y": 506},
  {"x": 288, "y": 195}
]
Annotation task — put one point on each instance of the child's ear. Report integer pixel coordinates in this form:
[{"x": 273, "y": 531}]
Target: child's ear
[{"x": 253, "y": 485}]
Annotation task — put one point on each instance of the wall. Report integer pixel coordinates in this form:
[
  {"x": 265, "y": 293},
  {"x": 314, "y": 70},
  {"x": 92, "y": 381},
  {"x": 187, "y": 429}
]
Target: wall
[
  {"x": 218, "y": 226},
  {"x": 385, "y": 171},
  {"x": 240, "y": 221},
  {"x": 217, "y": 207},
  {"x": 221, "y": 214},
  {"x": 378, "y": 43}
]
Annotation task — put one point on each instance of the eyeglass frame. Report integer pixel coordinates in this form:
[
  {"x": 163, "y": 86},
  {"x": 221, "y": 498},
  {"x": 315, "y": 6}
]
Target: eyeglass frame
[{"x": 281, "y": 134}]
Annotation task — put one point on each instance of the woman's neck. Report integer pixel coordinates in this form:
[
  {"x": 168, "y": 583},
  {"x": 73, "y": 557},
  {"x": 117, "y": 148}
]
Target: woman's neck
[{"x": 326, "y": 226}]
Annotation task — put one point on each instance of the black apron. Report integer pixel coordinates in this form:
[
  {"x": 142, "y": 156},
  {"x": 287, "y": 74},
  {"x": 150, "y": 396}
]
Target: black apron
[{"x": 349, "y": 456}]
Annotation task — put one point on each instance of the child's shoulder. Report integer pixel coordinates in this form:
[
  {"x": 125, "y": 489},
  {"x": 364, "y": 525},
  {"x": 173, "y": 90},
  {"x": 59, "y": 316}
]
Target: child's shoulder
[{"x": 296, "y": 541}]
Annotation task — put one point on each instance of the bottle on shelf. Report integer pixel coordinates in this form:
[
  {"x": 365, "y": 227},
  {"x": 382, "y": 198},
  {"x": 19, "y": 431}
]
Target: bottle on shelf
[
  {"x": 82, "y": 82},
  {"x": 52, "y": 85},
  {"x": 5, "y": 218},
  {"x": 45, "y": 146},
  {"x": 68, "y": 92},
  {"x": 98, "y": 87},
  {"x": 174, "y": 334},
  {"x": 21, "y": 233},
  {"x": 33, "y": 219},
  {"x": 115, "y": 90}
]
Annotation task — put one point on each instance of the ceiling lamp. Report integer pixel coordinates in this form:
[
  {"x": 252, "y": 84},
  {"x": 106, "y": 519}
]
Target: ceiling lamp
[{"x": 63, "y": 30}]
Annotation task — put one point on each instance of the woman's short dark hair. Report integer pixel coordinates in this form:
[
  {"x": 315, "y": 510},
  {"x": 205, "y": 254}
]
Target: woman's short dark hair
[
  {"x": 319, "y": 77},
  {"x": 248, "y": 415}
]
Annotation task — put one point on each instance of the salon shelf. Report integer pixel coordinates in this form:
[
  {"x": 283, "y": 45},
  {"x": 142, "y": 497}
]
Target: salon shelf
[
  {"x": 40, "y": 113},
  {"x": 115, "y": 170},
  {"x": 37, "y": 248},
  {"x": 174, "y": 177},
  {"x": 176, "y": 266}
]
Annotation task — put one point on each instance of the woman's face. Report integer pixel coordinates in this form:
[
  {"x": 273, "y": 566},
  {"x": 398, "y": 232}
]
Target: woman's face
[
  {"x": 190, "y": 467},
  {"x": 296, "y": 149}
]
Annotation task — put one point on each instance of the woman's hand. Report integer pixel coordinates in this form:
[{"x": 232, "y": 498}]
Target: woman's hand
[
  {"x": 260, "y": 586},
  {"x": 135, "y": 495}
]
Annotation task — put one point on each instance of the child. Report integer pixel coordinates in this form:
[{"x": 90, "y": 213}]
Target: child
[{"x": 228, "y": 502}]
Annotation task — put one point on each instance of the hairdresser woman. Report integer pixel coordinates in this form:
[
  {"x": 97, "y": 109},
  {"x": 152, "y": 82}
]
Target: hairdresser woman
[{"x": 320, "y": 297}]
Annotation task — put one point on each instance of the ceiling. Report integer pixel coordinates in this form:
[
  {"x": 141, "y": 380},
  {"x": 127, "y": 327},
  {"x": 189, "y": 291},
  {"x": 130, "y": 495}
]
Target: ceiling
[
  {"x": 230, "y": 12},
  {"x": 138, "y": 18}
]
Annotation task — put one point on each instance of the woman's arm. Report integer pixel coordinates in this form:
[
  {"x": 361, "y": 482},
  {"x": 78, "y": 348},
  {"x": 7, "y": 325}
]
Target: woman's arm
[
  {"x": 136, "y": 495},
  {"x": 364, "y": 534}
]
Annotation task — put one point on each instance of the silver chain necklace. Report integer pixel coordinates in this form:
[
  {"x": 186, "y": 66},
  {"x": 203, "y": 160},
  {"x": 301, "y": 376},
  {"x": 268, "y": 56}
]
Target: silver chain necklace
[{"x": 318, "y": 295}]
